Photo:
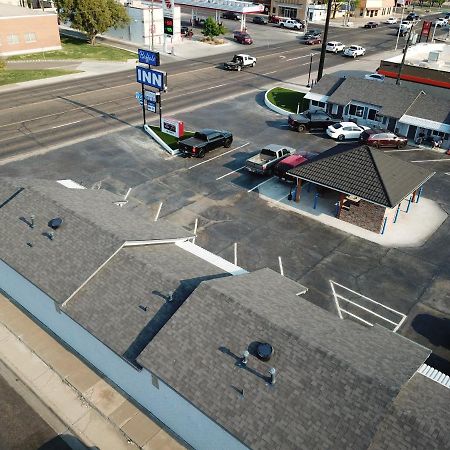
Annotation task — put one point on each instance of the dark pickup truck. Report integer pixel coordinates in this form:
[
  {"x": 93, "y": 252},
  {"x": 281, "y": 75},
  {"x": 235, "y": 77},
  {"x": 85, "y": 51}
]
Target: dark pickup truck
[
  {"x": 311, "y": 120},
  {"x": 204, "y": 141}
]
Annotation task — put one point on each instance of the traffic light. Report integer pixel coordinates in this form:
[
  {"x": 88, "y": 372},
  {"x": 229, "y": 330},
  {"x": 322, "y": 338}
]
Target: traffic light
[{"x": 168, "y": 26}]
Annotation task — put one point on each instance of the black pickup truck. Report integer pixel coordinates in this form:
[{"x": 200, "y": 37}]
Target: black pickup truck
[
  {"x": 311, "y": 120},
  {"x": 204, "y": 141}
]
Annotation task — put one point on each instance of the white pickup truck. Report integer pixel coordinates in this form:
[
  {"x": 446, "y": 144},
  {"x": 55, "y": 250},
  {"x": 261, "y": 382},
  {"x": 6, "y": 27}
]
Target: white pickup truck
[
  {"x": 290, "y": 23},
  {"x": 264, "y": 162}
]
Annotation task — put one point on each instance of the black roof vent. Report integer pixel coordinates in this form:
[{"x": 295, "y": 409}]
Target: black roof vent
[
  {"x": 264, "y": 351},
  {"x": 55, "y": 223}
]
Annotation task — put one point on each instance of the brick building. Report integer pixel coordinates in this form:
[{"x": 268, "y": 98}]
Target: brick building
[{"x": 25, "y": 30}]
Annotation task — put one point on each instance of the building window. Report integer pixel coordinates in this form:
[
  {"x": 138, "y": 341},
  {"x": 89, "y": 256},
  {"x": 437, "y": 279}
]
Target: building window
[
  {"x": 30, "y": 37},
  {"x": 441, "y": 134},
  {"x": 274, "y": 10},
  {"x": 13, "y": 39},
  {"x": 318, "y": 104},
  {"x": 372, "y": 115},
  {"x": 355, "y": 110}
]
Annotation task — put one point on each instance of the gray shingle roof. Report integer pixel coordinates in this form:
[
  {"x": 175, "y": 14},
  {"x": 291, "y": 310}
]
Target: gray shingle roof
[
  {"x": 430, "y": 108},
  {"x": 126, "y": 303},
  {"x": 394, "y": 100},
  {"x": 365, "y": 172},
  {"x": 335, "y": 378},
  {"x": 93, "y": 229},
  {"x": 327, "y": 85},
  {"x": 418, "y": 419}
]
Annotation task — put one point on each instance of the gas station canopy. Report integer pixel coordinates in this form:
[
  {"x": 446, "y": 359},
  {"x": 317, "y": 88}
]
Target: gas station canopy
[{"x": 222, "y": 5}]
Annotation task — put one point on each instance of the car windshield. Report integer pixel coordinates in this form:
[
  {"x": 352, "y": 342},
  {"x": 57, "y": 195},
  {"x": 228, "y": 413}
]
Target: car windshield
[{"x": 352, "y": 47}]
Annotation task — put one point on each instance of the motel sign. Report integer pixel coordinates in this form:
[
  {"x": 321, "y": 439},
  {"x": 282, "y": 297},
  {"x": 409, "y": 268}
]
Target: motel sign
[{"x": 149, "y": 77}]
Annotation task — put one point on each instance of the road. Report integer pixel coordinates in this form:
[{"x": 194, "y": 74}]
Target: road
[{"x": 38, "y": 118}]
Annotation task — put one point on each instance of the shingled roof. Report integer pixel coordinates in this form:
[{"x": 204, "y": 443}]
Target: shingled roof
[
  {"x": 94, "y": 229},
  {"x": 365, "y": 172},
  {"x": 335, "y": 378}
]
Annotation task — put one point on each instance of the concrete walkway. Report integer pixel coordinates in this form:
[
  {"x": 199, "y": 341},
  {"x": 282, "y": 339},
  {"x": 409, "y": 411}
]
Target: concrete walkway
[
  {"x": 91, "y": 409},
  {"x": 411, "y": 229}
]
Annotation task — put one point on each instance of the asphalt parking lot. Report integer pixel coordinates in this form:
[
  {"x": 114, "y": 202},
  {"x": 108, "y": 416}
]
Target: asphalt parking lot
[{"x": 226, "y": 201}]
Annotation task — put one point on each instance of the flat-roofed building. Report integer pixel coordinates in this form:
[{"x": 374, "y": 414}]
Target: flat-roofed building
[{"x": 25, "y": 30}]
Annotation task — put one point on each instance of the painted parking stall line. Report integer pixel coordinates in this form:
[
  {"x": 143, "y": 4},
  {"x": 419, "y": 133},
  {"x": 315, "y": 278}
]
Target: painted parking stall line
[
  {"x": 430, "y": 160},
  {"x": 218, "y": 156},
  {"x": 230, "y": 173},
  {"x": 260, "y": 184}
]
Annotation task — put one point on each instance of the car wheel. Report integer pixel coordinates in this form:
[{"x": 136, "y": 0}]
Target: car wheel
[
  {"x": 376, "y": 144},
  {"x": 281, "y": 25},
  {"x": 341, "y": 137},
  {"x": 253, "y": 64},
  {"x": 239, "y": 68},
  {"x": 301, "y": 128},
  {"x": 401, "y": 145},
  {"x": 354, "y": 56},
  {"x": 201, "y": 153},
  {"x": 227, "y": 143}
]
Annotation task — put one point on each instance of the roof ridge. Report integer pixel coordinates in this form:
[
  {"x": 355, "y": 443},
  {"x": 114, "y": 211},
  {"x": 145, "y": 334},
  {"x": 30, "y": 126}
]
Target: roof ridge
[
  {"x": 421, "y": 92},
  {"x": 371, "y": 152}
]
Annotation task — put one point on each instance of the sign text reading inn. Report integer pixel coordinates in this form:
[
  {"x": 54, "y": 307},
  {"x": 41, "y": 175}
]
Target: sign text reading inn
[{"x": 150, "y": 77}]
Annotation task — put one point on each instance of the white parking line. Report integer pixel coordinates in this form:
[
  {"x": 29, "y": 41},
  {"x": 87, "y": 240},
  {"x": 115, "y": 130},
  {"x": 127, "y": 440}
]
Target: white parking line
[
  {"x": 65, "y": 124},
  {"x": 431, "y": 160},
  {"x": 260, "y": 184},
  {"x": 230, "y": 173},
  {"x": 401, "y": 150},
  {"x": 282, "y": 198},
  {"x": 218, "y": 156},
  {"x": 298, "y": 57}
]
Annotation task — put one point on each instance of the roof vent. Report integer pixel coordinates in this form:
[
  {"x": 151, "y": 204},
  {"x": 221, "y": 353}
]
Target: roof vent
[
  {"x": 272, "y": 374},
  {"x": 32, "y": 221},
  {"x": 55, "y": 223},
  {"x": 264, "y": 351},
  {"x": 433, "y": 56}
]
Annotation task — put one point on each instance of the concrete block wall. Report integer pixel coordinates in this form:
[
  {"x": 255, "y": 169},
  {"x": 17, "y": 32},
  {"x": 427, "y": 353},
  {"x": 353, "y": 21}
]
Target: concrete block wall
[{"x": 365, "y": 215}]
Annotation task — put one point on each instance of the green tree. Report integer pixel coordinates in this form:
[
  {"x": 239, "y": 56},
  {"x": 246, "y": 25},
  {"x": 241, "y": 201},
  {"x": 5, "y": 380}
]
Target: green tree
[
  {"x": 212, "y": 28},
  {"x": 92, "y": 16},
  {"x": 2, "y": 63}
]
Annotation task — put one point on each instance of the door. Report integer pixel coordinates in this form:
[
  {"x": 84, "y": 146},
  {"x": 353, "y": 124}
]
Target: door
[
  {"x": 412, "y": 130},
  {"x": 391, "y": 124}
]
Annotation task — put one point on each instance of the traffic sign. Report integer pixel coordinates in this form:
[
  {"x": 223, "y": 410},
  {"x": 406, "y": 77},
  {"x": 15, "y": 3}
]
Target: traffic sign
[
  {"x": 150, "y": 77},
  {"x": 148, "y": 57}
]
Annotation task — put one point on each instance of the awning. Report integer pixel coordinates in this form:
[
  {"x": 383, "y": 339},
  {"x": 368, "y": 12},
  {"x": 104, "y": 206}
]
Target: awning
[
  {"x": 425, "y": 123},
  {"x": 317, "y": 97}
]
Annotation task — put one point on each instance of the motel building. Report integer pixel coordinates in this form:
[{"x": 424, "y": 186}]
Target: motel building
[{"x": 362, "y": 186}]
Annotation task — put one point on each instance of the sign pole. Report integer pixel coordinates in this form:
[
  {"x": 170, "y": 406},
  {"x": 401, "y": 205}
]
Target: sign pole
[
  {"x": 143, "y": 103},
  {"x": 160, "y": 111}
]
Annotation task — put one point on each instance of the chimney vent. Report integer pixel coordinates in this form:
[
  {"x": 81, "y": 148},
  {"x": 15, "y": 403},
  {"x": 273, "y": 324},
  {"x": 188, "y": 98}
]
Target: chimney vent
[
  {"x": 170, "y": 297},
  {"x": 244, "y": 359},
  {"x": 32, "y": 221},
  {"x": 51, "y": 235},
  {"x": 55, "y": 223},
  {"x": 264, "y": 351}
]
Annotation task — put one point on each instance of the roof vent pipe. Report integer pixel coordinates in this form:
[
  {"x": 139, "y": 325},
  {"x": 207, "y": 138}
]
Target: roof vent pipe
[
  {"x": 32, "y": 221},
  {"x": 51, "y": 235},
  {"x": 272, "y": 373},
  {"x": 244, "y": 359}
]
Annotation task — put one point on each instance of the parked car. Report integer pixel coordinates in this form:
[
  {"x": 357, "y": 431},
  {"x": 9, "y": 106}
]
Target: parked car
[
  {"x": 405, "y": 25},
  {"x": 276, "y": 19},
  {"x": 382, "y": 138},
  {"x": 291, "y": 162},
  {"x": 354, "y": 51},
  {"x": 441, "y": 22},
  {"x": 259, "y": 20},
  {"x": 311, "y": 120},
  {"x": 391, "y": 20},
  {"x": 312, "y": 33},
  {"x": 239, "y": 62},
  {"x": 204, "y": 141},
  {"x": 264, "y": 162},
  {"x": 313, "y": 40},
  {"x": 345, "y": 130},
  {"x": 242, "y": 37},
  {"x": 413, "y": 17},
  {"x": 374, "y": 76},
  {"x": 231, "y": 15},
  {"x": 290, "y": 23},
  {"x": 371, "y": 25},
  {"x": 335, "y": 47}
]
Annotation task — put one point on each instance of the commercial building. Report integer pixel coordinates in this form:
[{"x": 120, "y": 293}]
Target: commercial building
[
  {"x": 376, "y": 8},
  {"x": 425, "y": 63},
  {"x": 225, "y": 358},
  {"x": 409, "y": 110},
  {"x": 295, "y": 9},
  {"x": 25, "y": 30}
]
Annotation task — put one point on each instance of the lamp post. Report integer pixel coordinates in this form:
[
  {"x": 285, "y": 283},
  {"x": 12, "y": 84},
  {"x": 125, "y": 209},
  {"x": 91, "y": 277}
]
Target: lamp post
[
  {"x": 152, "y": 26},
  {"x": 309, "y": 74},
  {"x": 400, "y": 26}
]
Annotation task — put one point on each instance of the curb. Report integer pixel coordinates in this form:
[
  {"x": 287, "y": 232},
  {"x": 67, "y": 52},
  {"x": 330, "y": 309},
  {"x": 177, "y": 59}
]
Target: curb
[
  {"x": 152, "y": 134},
  {"x": 276, "y": 108}
]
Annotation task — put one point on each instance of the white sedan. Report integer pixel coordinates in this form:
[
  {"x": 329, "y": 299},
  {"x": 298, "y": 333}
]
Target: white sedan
[
  {"x": 345, "y": 130},
  {"x": 392, "y": 20},
  {"x": 354, "y": 51},
  {"x": 441, "y": 22},
  {"x": 335, "y": 47}
]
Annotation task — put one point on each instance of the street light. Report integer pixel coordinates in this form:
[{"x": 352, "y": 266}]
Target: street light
[{"x": 309, "y": 74}]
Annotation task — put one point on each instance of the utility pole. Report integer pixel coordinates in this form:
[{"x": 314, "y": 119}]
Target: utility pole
[
  {"x": 152, "y": 26},
  {"x": 324, "y": 42},
  {"x": 400, "y": 26},
  {"x": 404, "y": 57}
]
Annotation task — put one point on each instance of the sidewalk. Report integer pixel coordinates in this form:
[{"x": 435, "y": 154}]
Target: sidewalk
[{"x": 91, "y": 409}]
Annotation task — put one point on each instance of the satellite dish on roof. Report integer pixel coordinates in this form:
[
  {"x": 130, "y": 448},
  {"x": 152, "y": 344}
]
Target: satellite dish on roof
[{"x": 55, "y": 223}]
